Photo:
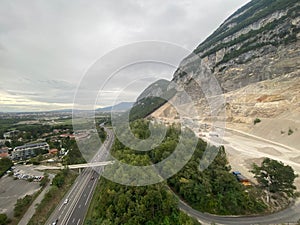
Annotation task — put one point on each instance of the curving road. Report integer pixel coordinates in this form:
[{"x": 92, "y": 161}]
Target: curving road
[{"x": 289, "y": 215}]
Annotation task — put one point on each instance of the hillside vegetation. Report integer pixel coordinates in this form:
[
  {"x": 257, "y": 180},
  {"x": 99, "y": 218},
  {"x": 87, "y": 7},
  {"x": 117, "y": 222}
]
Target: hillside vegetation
[{"x": 215, "y": 190}]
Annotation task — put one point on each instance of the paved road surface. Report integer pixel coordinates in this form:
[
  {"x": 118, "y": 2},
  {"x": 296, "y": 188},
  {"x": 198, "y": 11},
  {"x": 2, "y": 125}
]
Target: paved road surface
[
  {"x": 81, "y": 193},
  {"x": 289, "y": 215}
]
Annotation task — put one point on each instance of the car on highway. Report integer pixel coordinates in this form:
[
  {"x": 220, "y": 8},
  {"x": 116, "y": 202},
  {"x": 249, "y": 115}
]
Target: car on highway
[
  {"x": 66, "y": 201},
  {"x": 55, "y": 222},
  {"x": 92, "y": 178}
]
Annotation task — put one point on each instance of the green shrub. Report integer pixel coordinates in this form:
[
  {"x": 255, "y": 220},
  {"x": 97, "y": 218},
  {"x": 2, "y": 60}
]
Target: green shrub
[
  {"x": 22, "y": 205},
  {"x": 5, "y": 164},
  {"x": 257, "y": 120},
  {"x": 4, "y": 219},
  {"x": 290, "y": 132}
]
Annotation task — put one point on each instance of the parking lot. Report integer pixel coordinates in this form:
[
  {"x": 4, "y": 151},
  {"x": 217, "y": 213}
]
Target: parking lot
[
  {"x": 27, "y": 172},
  {"x": 13, "y": 188}
]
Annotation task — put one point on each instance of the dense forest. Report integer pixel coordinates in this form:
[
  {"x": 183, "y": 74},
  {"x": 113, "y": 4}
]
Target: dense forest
[
  {"x": 115, "y": 204},
  {"x": 153, "y": 204},
  {"x": 214, "y": 190}
]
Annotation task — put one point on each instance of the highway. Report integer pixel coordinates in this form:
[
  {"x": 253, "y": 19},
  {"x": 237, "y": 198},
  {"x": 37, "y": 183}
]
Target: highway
[
  {"x": 81, "y": 192},
  {"x": 83, "y": 188}
]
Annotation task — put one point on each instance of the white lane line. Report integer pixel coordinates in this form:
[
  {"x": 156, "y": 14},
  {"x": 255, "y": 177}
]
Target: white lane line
[
  {"x": 87, "y": 199},
  {"x": 63, "y": 210},
  {"x": 70, "y": 192},
  {"x": 78, "y": 222},
  {"x": 60, "y": 207},
  {"x": 78, "y": 194}
]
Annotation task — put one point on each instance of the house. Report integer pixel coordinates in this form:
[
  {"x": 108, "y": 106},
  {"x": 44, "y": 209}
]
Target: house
[
  {"x": 29, "y": 150},
  {"x": 4, "y": 152},
  {"x": 53, "y": 151},
  {"x": 10, "y": 134},
  {"x": 71, "y": 136}
]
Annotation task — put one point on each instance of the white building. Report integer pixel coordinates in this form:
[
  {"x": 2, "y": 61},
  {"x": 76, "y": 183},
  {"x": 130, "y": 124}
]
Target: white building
[
  {"x": 29, "y": 150},
  {"x": 10, "y": 134}
]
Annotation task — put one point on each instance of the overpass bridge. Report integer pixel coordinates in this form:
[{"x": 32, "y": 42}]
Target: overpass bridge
[{"x": 75, "y": 166}]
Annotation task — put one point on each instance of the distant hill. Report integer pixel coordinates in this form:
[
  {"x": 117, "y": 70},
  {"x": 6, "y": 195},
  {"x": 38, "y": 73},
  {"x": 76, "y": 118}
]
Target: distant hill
[{"x": 123, "y": 106}]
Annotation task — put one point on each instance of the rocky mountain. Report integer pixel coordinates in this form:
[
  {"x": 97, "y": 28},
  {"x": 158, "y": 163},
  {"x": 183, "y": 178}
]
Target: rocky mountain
[
  {"x": 258, "y": 42},
  {"x": 255, "y": 58},
  {"x": 154, "y": 90},
  {"x": 153, "y": 97}
]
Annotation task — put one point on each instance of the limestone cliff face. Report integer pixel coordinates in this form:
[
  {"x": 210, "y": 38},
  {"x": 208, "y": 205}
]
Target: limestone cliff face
[
  {"x": 258, "y": 42},
  {"x": 255, "y": 57}
]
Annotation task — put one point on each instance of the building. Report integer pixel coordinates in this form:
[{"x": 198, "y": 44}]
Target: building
[
  {"x": 29, "y": 150},
  {"x": 53, "y": 151},
  {"x": 71, "y": 136},
  {"x": 10, "y": 134},
  {"x": 3, "y": 152}
]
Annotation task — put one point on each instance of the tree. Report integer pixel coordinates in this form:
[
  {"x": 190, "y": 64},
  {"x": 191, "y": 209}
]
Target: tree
[
  {"x": 275, "y": 176},
  {"x": 3, "y": 219},
  {"x": 59, "y": 180},
  {"x": 22, "y": 205},
  {"x": 5, "y": 164},
  {"x": 7, "y": 144},
  {"x": 45, "y": 180}
]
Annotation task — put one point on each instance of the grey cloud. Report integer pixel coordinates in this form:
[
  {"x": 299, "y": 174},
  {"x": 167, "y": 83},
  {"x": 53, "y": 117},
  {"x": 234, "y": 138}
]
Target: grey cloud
[
  {"x": 17, "y": 92},
  {"x": 47, "y": 46}
]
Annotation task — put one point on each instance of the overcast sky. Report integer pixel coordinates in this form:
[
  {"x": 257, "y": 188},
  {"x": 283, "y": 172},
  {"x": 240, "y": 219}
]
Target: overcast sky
[{"x": 46, "y": 46}]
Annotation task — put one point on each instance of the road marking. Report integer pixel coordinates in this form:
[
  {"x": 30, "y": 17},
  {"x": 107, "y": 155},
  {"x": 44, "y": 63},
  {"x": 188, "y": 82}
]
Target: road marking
[
  {"x": 72, "y": 188},
  {"x": 80, "y": 185},
  {"x": 60, "y": 207},
  {"x": 87, "y": 199},
  {"x": 76, "y": 199}
]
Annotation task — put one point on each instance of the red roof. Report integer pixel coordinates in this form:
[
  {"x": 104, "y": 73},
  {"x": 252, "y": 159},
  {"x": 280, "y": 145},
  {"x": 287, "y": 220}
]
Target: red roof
[{"x": 53, "y": 151}]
